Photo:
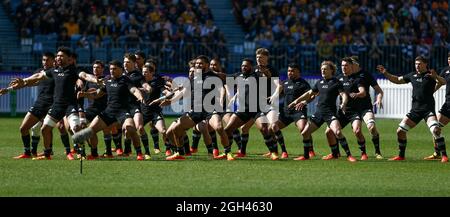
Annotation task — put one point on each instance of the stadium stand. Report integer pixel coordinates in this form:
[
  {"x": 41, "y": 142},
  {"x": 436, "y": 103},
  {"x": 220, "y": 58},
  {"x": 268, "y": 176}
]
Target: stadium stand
[
  {"x": 302, "y": 31},
  {"x": 388, "y": 30},
  {"x": 131, "y": 25}
]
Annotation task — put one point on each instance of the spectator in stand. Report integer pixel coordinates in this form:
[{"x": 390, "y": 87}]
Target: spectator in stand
[
  {"x": 148, "y": 18},
  {"x": 408, "y": 20}
]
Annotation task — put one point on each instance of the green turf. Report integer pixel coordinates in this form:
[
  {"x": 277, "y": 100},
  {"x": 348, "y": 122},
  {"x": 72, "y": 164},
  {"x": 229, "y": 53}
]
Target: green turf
[{"x": 252, "y": 176}]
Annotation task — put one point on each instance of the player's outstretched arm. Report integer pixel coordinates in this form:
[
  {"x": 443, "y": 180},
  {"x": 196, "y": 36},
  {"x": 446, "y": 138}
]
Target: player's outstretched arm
[
  {"x": 379, "y": 96},
  {"x": 439, "y": 80},
  {"x": 137, "y": 93},
  {"x": 302, "y": 99},
  {"x": 394, "y": 79},
  {"x": 361, "y": 93},
  {"x": 169, "y": 97},
  {"x": 275, "y": 94},
  {"x": 34, "y": 79},
  {"x": 90, "y": 78},
  {"x": 344, "y": 102}
]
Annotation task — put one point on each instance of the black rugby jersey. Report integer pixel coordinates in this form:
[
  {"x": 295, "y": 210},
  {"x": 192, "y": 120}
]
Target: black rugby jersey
[
  {"x": 118, "y": 91},
  {"x": 292, "y": 90},
  {"x": 157, "y": 85},
  {"x": 423, "y": 89},
  {"x": 65, "y": 80},
  {"x": 198, "y": 82},
  {"x": 368, "y": 81},
  {"x": 351, "y": 84},
  {"x": 328, "y": 90},
  {"x": 274, "y": 74},
  {"x": 136, "y": 79},
  {"x": 99, "y": 102},
  {"x": 445, "y": 73},
  {"x": 46, "y": 88}
]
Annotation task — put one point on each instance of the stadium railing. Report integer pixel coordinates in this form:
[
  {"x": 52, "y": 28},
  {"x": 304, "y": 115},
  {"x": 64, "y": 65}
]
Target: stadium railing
[
  {"x": 396, "y": 101},
  {"x": 173, "y": 57}
]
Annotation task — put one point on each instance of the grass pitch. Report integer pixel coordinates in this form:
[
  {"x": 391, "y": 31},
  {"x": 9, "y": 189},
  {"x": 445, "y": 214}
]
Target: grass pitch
[{"x": 254, "y": 176}]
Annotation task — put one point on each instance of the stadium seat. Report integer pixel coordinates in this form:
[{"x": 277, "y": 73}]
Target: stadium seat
[
  {"x": 91, "y": 38},
  {"x": 100, "y": 54},
  {"x": 122, "y": 41},
  {"x": 117, "y": 53},
  {"x": 49, "y": 45},
  {"x": 249, "y": 47},
  {"x": 75, "y": 37},
  {"x": 107, "y": 40},
  {"x": 84, "y": 55}
]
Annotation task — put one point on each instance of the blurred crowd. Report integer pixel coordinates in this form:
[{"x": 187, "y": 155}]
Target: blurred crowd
[
  {"x": 99, "y": 23},
  {"x": 380, "y": 22}
]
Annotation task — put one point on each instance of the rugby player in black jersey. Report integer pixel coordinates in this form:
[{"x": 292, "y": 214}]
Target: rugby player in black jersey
[
  {"x": 248, "y": 109},
  {"x": 367, "y": 112},
  {"x": 119, "y": 89},
  {"x": 152, "y": 87},
  {"x": 443, "y": 115},
  {"x": 33, "y": 118},
  {"x": 96, "y": 105},
  {"x": 327, "y": 89},
  {"x": 423, "y": 81},
  {"x": 354, "y": 86},
  {"x": 292, "y": 88},
  {"x": 64, "y": 99},
  {"x": 200, "y": 113},
  {"x": 136, "y": 77}
]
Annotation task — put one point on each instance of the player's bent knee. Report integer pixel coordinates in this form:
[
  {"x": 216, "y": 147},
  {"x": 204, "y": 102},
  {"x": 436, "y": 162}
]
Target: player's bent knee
[
  {"x": 36, "y": 129},
  {"x": 74, "y": 122},
  {"x": 163, "y": 131},
  {"x": 141, "y": 131},
  {"x": 220, "y": 129},
  {"x": 49, "y": 122},
  {"x": 370, "y": 123},
  {"x": 264, "y": 130},
  {"x": 401, "y": 133},
  {"x": 403, "y": 127},
  {"x": 436, "y": 131}
]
